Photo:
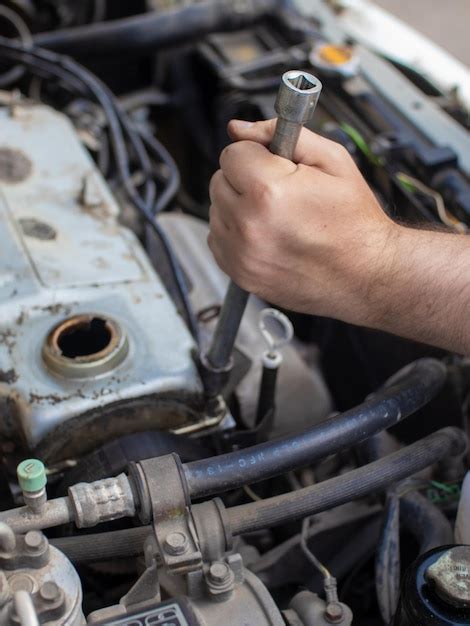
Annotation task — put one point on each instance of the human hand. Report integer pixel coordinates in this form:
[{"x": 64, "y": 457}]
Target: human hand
[{"x": 306, "y": 235}]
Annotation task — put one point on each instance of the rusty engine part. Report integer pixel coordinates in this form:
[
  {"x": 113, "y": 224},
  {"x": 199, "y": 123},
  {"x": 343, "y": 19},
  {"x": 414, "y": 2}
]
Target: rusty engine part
[
  {"x": 313, "y": 483},
  {"x": 92, "y": 345}
]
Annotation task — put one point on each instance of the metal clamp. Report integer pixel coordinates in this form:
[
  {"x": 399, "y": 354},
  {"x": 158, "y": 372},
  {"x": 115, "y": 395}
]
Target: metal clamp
[{"x": 165, "y": 501}]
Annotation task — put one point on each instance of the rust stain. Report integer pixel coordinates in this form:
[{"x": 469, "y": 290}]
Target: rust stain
[
  {"x": 54, "y": 398},
  {"x": 8, "y": 339},
  {"x": 8, "y": 376},
  {"x": 15, "y": 166},
  {"x": 36, "y": 229}
]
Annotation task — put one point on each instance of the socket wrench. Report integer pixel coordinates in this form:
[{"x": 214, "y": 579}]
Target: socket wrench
[{"x": 295, "y": 104}]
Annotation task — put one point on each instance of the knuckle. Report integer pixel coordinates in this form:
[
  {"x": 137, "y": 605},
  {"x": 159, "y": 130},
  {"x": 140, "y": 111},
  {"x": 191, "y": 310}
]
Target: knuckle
[
  {"x": 263, "y": 194},
  {"x": 342, "y": 154},
  {"x": 229, "y": 153},
  {"x": 212, "y": 216},
  {"x": 210, "y": 241},
  {"x": 248, "y": 231},
  {"x": 214, "y": 183}
]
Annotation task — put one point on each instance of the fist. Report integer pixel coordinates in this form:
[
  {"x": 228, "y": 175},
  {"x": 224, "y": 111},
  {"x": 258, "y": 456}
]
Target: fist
[{"x": 307, "y": 235}]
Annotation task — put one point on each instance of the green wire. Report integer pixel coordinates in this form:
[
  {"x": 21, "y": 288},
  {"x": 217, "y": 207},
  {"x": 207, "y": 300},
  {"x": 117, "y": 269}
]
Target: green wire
[
  {"x": 361, "y": 144},
  {"x": 406, "y": 184}
]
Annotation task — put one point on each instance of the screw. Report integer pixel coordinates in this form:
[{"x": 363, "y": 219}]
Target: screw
[
  {"x": 34, "y": 541},
  {"x": 176, "y": 543},
  {"x": 334, "y": 612},
  {"x": 219, "y": 573},
  {"x": 49, "y": 592}
]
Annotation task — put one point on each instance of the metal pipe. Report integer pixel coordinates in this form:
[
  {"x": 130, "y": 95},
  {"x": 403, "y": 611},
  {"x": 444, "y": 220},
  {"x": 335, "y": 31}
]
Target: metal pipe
[
  {"x": 295, "y": 104},
  {"x": 55, "y": 513},
  {"x": 24, "y": 609}
]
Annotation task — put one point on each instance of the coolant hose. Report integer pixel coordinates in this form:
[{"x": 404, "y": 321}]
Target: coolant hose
[
  {"x": 365, "y": 481},
  {"x": 155, "y": 30},
  {"x": 118, "y": 544},
  {"x": 424, "y": 520},
  {"x": 410, "y": 390},
  {"x": 358, "y": 483}
]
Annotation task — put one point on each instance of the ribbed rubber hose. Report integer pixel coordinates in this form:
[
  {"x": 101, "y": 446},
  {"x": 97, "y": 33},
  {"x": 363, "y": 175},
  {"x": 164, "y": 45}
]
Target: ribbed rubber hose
[
  {"x": 367, "y": 480},
  {"x": 411, "y": 389},
  {"x": 356, "y": 484},
  {"x": 118, "y": 544},
  {"x": 152, "y": 31}
]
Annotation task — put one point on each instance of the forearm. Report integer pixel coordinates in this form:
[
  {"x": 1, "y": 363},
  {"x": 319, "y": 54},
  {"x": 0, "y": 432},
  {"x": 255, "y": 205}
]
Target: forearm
[
  {"x": 310, "y": 236},
  {"x": 421, "y": 289}
]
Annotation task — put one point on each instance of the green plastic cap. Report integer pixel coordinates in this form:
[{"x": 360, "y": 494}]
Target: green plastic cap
[{"x": 31, "y": 475}]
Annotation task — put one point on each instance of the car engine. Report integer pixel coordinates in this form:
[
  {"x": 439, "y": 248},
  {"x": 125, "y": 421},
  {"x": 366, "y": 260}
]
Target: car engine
[{"x": 173, "y": 450}]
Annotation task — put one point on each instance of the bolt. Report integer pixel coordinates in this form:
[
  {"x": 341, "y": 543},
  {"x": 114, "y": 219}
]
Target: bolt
[
  {"x": 219, "y": 573},
  {"x": 49, "y": 592},
  {"x": 176, "y": 543},
  {"x": 334, "y": 612},
  {"x": 34, "y": 541}
]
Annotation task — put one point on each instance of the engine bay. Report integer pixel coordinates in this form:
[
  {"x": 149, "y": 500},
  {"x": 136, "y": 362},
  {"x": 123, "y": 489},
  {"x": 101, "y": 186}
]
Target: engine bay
[{"x": 173, "y": 450}]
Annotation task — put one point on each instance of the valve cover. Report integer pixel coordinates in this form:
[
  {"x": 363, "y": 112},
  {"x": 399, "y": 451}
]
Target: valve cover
[{"x": 91, "y": 346}]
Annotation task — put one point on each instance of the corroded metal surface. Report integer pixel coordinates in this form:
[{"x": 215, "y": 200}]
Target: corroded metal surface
[
  {"x": 63, "y": 254},
  {"x": 450, "y": 576}
]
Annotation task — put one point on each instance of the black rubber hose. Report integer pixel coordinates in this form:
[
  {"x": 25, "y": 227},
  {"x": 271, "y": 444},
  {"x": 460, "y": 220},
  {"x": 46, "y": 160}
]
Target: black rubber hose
[
  {"x": 414, "y": 387},
  {"x": 428, "y": 524},
  {"x": 152, "y": 31},
  {"x": 366, "y": 480},
  {"x": 359, "y": 483},
  {"x": 423, "y": 519},
  {"x": 118, "y": 544}
]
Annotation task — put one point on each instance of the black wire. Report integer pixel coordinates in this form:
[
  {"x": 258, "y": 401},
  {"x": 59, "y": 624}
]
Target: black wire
[
  {"x": 174, "y": 180},
  {"x": 82, "y": 80}
]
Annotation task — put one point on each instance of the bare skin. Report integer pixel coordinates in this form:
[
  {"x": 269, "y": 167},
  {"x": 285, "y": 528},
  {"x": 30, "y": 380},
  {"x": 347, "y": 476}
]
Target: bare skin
[{"x": 310, "y": 236}]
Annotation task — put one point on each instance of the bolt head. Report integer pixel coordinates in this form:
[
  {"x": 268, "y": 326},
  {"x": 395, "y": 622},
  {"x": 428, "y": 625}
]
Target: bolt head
[
  {"x": 176, "y": 543},
  {"x": 219, "y": 572},
  {"x": 334, "y": 612},
  {"x": 49, "y": 591},
  {"x": 34, "y": 541}
]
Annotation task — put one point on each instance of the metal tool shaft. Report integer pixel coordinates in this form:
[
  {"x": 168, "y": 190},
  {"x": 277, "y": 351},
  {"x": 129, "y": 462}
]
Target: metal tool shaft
[{"x": 295, "y": 104}]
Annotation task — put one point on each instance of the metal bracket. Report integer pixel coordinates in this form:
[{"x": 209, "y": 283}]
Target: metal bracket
[{"x": 164, "y": 496}]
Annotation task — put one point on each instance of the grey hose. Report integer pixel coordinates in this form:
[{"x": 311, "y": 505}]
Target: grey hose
[{"x": 356, "y": 484}]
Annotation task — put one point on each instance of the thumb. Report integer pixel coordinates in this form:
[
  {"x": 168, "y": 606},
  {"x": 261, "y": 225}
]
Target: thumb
[
  {"x": 260, "y": 132},
  {"x": 312, "y": 149}
]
